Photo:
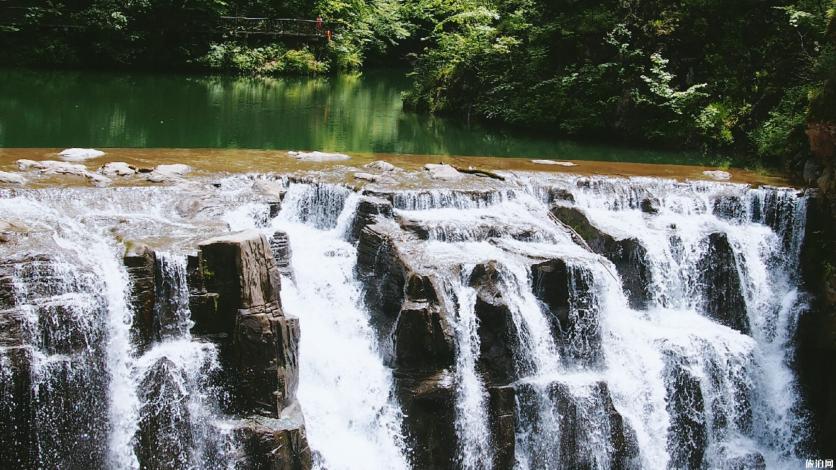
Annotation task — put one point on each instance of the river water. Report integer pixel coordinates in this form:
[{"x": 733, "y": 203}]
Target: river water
[{"x": 348, "y": 113}]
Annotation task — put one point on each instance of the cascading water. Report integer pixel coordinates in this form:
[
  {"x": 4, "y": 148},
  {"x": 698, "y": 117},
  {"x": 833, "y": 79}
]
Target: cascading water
[
  {"x": 636, "y": 323},
  {"x": 346, "y": 391}
]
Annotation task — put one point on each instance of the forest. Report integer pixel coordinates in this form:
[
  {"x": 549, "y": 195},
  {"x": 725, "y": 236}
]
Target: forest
[{"x": 739, "y": 77}]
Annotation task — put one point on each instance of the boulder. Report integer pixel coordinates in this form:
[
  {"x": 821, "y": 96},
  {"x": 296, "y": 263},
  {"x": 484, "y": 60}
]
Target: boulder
[
  {"x": 565, "y": 292},
  {"x": 720, "y": 284},
  {"x": 382, "y": 269},
  {"x": 628, "y": 255}
]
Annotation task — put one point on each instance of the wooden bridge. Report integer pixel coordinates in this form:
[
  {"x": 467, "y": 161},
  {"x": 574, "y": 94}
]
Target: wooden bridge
[
  {"x": 244, "y": 26},
  {"x": 14, "y": 18}
]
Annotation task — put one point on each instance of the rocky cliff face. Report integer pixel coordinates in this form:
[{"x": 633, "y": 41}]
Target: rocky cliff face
[
  {"x": 531, "y": 321},
  {"x": 233, "y": 287}
]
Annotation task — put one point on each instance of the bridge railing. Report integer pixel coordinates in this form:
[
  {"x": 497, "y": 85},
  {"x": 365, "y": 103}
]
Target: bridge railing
[{"x": 272, "y": 26}]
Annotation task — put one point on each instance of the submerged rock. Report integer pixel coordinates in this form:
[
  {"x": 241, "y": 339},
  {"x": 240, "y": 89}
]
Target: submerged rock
[{"x": 79, "y": 154}]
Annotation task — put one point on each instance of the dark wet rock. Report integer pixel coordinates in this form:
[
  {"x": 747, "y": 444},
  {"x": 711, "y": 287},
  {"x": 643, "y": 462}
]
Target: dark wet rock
[
  {"x": 140, "y": 263},
  {"x": 423, "y": 337},
  {"x": 721, "y": 287},
  {"x": 429, "y": 403},
  {"x": 688, "y": 431},
  {"x": 164, "y": 439},
  {"x": 498, "y": 334},
  {"x": 60, "y": 422},
  {"x": 729, "y": 207},
  {"x": 263, "y": 355},
  {"x": 565, "y": 291},
  {"x": 383, "y": 270},
  {"x": 650, "y": 205},
  {"x": 628, "y": 255},
  {"x": 749, "y": 461},
  {"x": 275, "y": 444},
  {"x": 280, "y": 245},
  {"x": 16, "y": 401},
  {"x": 560, "y": 195},
  {"x": 582, "y": 417},
  {"x": 816, "y": 336},
  {"x": 369, "y": 209},
  {"x": 503, "y": 421}
]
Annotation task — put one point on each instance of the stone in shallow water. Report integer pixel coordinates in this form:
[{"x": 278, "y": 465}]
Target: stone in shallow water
[
  {"x": 117, "y": 169},
  {"x": 554, "y": 162},
  {"x": 718, "y": 175},
  {"x": 79, "y": 154},
  {"x": 11, "y": 178},
  {"x": 443, "y": 172},
  {"x": 381, "y": 165},
  {"x": 366, "y": 177},
  {"x": 54, "y": 167},
  {"x": 317, "y": 156},
  {"x": 164, "y": 173}
]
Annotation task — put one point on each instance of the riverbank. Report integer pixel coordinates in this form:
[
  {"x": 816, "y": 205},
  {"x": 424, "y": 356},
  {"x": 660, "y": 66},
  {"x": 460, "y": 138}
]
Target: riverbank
[{"x": 229, "y": 161}]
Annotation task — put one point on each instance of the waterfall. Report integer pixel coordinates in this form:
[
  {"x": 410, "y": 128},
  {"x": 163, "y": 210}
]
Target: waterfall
[
  {"x": 346, "y": 390},
  {"x": 540, "y": 322}
]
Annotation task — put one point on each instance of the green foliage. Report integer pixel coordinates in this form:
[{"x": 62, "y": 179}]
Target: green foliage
[
  {"x": 266, "y": 60},
  {"x": 729, "y": 75}
]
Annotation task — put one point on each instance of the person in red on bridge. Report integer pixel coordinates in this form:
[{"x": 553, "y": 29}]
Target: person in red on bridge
[{"x": 319, "y": 23}]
